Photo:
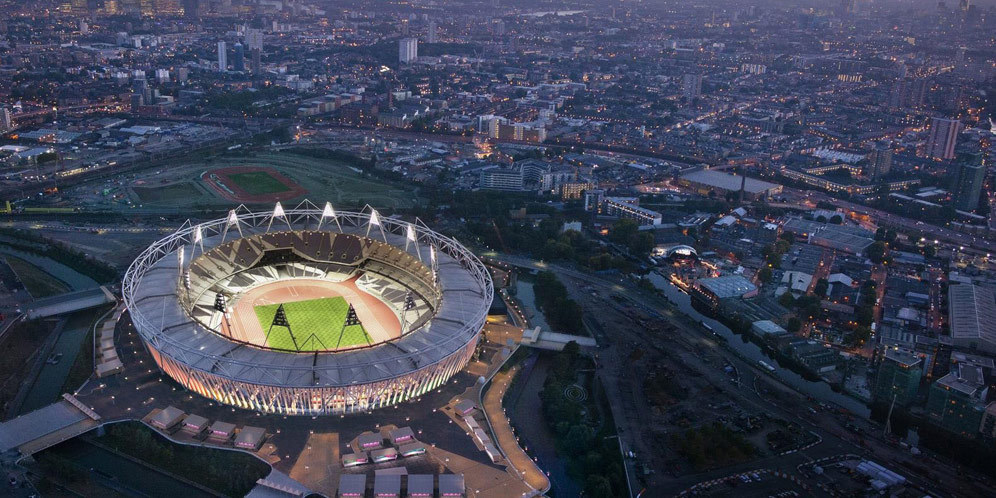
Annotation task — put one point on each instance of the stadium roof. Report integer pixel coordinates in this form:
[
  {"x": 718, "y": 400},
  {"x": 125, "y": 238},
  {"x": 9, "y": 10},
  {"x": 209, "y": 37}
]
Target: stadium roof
[
  {"x": 728, "y": 182},
  {"x": 154, "y": 300}
]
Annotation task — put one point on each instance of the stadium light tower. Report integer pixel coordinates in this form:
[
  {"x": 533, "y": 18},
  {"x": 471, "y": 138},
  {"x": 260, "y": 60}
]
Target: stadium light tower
[
  {"x": 280, "y": 320},
  {"x": 233, "y": 219},
  {"x": 433, "y": 263},
  {"x": 278, "y": 212},
  {"x": 328, "y": 212},
  {"x": 375, "y": 220},
  {"x": 410, "y": 237},
  {"x": 198, "y": 239},
  {"x": 408, "y": 306}
]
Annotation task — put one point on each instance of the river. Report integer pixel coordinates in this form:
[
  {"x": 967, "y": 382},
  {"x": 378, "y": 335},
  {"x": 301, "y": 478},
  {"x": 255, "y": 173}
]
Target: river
[
  {"x": 48, "y": 386},
  {"x": 525, "y": 294},
  {"x": 74, "y": 279},
  {"x": 127, "y": 476},
  {"x": 752, "y": 352}
]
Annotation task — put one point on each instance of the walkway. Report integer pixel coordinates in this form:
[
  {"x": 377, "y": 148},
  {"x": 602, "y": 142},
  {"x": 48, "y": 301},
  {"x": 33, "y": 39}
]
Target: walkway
[
  {"x": 47, "y": 426},
  {"x": 517, "y": 458}
]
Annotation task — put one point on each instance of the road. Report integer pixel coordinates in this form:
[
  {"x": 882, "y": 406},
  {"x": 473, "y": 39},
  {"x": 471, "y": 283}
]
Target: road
[{"x": 892, "y": 220}]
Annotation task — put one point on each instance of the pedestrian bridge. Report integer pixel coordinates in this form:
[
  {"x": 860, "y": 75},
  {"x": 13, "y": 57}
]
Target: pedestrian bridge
[
  {"x": 553, "y": 341},
  {"x": 45, "y": 427}
]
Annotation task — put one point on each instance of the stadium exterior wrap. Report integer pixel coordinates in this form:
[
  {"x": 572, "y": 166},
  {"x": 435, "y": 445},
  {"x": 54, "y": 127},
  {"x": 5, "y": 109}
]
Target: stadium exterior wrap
[{"x": 157, "y": 284}]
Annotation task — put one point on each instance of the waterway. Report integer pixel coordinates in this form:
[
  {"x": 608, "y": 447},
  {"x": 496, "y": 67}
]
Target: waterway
[
  {"x": 74, "y": 279},
  {"x": 48, "y": 385},
  {"x": 752, "y": 352},
  {"x": 114, "y": 471},
  {"x": 525, "y": 294}
]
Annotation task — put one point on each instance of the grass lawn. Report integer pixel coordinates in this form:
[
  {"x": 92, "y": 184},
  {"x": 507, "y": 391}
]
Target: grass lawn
[
  {"x": 258, "y": 182},
  {"x": 35, "y": 280},
  {"x": 168, "y": 193},
  {"x": 322, "y": 318}
]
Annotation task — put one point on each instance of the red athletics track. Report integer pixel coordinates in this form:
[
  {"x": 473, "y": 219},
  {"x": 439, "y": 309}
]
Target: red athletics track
[
  {"x": 377, "y": 318},
  {"x": 240, "y": 195}
]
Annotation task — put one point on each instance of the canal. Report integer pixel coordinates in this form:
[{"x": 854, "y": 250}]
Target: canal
[
  {"x": 525, "y": 294},
  {"x": 753, "y": 353},
  {"x": 48, "y": 385},
  {"x": 121, "y": 474}
]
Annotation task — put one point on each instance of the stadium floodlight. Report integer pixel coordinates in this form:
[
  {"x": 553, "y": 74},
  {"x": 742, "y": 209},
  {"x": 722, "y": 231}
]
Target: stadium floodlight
[
  {"x": 233, "y": 220},
  {"x": 328, "y": 212},
  {"x": 220, "y": 303},
  {"x": 375, "y": 220},
  {"x": 179, "y": 258},
  {"x": 433, "y": 263},
  {"x": 410, "y": 237},
  {"x": 198, "y": 238},
  {"x": 280, "y": 320},
  {"x": 278, "y": 212}
]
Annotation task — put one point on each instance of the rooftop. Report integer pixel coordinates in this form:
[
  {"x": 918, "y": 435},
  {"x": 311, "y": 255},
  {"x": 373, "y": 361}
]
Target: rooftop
[
  {"x": 727, "y": 181},
  {"x": 727, "y": 286}
]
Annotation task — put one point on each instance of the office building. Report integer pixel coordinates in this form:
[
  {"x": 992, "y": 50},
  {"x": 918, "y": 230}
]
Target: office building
[
  {"x": 879, "y": 161},
  {"x": 431, "y": 35},
  {"x": 691, "y": 86},
  {"x": 222, "y": 57},
  {"x": 254, "y": 42},
  {"x": 238, "y": 58},
  {"x": 898, "y": 377},
  {"x": 966, "y": 186},
  {"x": 407, "y": 50},
  {"x": 943, "y": 138},
  {"x": 956, "y": 401},
  {"x": 626, "y": 208},
  {"x": 6, "y": 119},
  {"x": 908, "y": 93}
]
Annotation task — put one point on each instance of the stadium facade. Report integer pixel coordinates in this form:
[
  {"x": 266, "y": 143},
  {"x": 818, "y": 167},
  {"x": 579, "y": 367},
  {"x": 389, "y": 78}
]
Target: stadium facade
[{"x": 176, "y": 289}]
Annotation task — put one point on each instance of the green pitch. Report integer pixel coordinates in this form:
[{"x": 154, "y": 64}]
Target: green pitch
[
  {"x": 321, "y": 317},
  {"x": 258, "y": 182}
]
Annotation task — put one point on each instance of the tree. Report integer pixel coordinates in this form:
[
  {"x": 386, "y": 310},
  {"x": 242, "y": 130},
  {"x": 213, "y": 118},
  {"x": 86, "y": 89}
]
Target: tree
[
  {"x": 597, "y": 486},
  {"x": 578, "y": 439},
  {"x": 876, "y": 251},
  {"x": 822, "y": 285},
  {"x": 764, "y": 275},
  {"x": 793, "y": 325},
  {"x": 623, "y": 230}
]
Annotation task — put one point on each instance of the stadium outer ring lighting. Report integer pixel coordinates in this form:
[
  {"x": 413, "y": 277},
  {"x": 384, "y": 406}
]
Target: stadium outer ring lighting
[{"x": 158, "y": 287}]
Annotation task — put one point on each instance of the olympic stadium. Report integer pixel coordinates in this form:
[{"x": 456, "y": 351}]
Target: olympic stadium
[{"x": 308, "y": 311}]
